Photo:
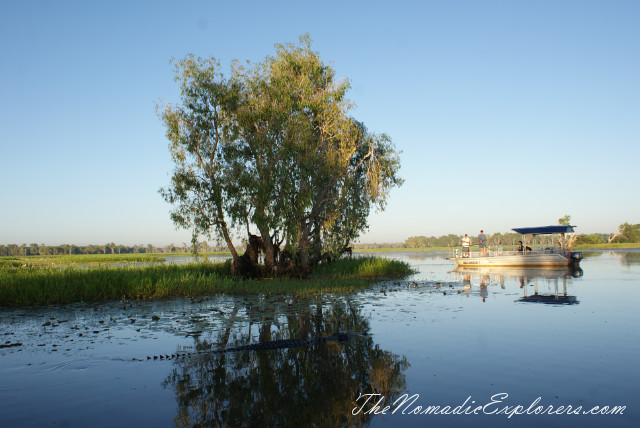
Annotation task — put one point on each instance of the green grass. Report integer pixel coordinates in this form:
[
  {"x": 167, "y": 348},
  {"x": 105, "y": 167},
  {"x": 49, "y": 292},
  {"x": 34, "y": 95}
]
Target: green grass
[
  {"x": 208, "y": 253},
  {"x": 40, "y": 284},
  {"x": 398, "y": 250},
  {"x": 77, "y": 259},
  {"x": 94, "y": 259},
  {"x": 361, "y": 267},
  {"x": 613, "y": 246}
]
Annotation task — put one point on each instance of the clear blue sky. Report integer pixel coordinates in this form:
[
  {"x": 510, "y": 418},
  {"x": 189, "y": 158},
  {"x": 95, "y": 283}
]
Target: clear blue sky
[{"x": 508, "y": 113}]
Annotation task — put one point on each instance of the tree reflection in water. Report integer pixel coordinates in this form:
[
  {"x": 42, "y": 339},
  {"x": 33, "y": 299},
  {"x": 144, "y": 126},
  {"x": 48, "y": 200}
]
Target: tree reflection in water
[
  {"x": 628, "y": 258},
  {"x": 314, "y": 385}
]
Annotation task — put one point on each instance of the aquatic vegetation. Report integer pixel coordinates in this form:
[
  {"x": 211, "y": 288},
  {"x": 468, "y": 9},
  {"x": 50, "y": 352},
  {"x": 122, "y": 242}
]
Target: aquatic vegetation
[
  {"x": 361, "y": 267},
  {"x": 77, "y": 259},
  {"x": 24, "y": 284}
]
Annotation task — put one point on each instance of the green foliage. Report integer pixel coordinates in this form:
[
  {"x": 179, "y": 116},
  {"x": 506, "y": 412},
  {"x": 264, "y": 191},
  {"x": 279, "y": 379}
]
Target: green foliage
[
  {"x": 565, "y": 221},
  {"x": 272, "y": 149},
  {"x": 594, "y": 238},
  {"x": 628, "y": 233},
  {"x": 432, "y": 241},
  {"x": 450, "y": 240}
]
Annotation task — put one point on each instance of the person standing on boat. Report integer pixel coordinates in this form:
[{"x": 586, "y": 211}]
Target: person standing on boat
[
  {"x": 482, "y": 243},
  {"x": 466, "y": 245}
]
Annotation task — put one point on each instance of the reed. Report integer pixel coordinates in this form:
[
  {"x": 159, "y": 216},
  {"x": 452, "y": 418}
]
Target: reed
[{"x": 35, "y": 285}]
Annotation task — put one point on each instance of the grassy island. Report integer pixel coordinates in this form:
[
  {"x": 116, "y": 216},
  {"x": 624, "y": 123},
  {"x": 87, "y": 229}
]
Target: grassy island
[{"x": 35, "y": 281}]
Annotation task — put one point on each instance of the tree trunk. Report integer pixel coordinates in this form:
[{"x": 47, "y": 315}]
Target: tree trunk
[
  {"x": 269, "y": 252},
  {"x": 227, "y": 238},
  {"x": 302, "y": 250},
  {"x": 247, "y": 265},
  {"x": 315, "y": 245}
]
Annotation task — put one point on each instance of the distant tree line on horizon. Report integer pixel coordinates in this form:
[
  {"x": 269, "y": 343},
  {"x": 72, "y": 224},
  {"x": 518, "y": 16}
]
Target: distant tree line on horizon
[
  {"x": 110, "y": 248},
  {"x": 626, "y": 233}
]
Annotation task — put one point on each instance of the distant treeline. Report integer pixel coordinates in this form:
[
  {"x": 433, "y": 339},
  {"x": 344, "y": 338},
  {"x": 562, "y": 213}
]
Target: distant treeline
[
  {"x": 111, "y": 248},
  {"x": 376, "y": 246},
  {"x": 454, "y": 240},
  {"x": 627, "y": 233}
]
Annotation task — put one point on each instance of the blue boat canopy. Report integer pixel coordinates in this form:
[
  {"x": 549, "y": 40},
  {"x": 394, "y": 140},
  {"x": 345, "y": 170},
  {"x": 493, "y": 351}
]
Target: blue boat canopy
[{"x": 543, "y": 230}]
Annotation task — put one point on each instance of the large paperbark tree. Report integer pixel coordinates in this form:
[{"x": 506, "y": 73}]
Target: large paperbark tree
[{"x": 272, "y": 150}]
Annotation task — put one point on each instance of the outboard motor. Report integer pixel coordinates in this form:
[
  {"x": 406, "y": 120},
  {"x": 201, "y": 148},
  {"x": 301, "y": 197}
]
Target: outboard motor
[{"x": 575, "y": 271}]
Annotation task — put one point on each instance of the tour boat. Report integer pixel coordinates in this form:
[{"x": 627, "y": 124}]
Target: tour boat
[{"x": 546, "y": 256}]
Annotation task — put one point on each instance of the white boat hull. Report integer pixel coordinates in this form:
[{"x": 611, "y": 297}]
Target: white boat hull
[
  {"x": 548, "y": 272},
  {"x": 534, "y": 260}
]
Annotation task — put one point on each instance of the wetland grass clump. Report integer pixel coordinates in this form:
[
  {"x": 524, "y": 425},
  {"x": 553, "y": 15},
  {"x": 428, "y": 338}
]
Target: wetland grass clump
[
  {"x": 39, "y": 285},
  {"x": 77, "y": 259},
  {"x": 361, "y": 267},
  {"x": 27, "y": 285}
]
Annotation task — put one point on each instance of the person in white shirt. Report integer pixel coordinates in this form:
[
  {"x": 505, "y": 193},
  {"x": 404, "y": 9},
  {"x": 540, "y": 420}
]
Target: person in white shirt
[{"x": 466, "y": 245}]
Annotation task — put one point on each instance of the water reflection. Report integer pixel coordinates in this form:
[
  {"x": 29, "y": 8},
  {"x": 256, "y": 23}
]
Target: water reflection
[
  {"x": 315, "y": 385},
  {"x": 554, "y": 278},
  {"x": 80, "y": 363},
  {"x": 627, "y": 258}
]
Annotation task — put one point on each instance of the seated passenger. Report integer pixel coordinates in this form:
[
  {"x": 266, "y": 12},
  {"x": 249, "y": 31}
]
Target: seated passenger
[{"x": 523, "y": 248}]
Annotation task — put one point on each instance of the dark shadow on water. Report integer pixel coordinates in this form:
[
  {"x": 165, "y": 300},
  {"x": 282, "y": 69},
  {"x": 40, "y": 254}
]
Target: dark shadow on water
[
  {"x": 550, "y": 299},
  {"x": 312, "y": 385}
]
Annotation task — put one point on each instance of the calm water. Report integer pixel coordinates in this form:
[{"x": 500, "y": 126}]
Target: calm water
[{"x": 446, "y": 338}]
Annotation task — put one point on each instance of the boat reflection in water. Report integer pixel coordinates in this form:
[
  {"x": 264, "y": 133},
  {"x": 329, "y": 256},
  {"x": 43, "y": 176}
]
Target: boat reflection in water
[{"x": 555, "y": 279}]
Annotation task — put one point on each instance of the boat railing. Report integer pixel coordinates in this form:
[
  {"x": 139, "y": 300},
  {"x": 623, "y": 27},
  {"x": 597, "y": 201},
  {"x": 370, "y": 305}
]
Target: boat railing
[{"x": 496, "y": 251}]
